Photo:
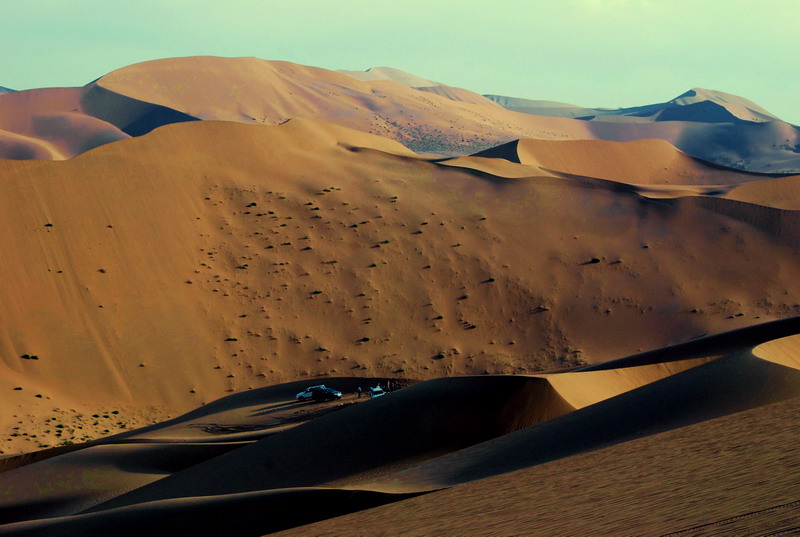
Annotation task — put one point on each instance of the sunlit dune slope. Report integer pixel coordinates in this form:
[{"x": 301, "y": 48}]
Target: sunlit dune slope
[
  {"x": 390, "y": 73},
  {"x": 161, "y": 272},
  {"x": 781, "y": 193}
]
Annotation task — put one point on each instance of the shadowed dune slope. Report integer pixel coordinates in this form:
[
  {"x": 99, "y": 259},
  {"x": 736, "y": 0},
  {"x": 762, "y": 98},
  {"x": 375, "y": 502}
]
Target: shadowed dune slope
[
  {"x": 370, "y": 439},
  {"x": 248, "y": 514},
  {"x": 235, "y": 246},
  {"x": 73, "y": 482},
  {"x": 720, "y": 477},
  {"x": 131, "y": 116}
]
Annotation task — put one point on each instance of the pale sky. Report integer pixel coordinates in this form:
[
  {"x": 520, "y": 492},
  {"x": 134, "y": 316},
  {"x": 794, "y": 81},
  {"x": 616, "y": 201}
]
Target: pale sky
[{"x": 589, "y": 52}]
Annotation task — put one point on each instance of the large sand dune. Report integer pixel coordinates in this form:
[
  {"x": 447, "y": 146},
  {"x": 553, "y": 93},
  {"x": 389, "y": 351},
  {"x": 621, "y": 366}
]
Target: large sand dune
[{"x": 269, "y": 254}]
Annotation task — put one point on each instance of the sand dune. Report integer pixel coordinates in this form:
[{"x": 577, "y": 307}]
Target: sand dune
[
  {"x": 51, "y": 124},
  {"x": 697, "y": 105},
  {"x": 444, "y": 125},
  {"x": 720, "y": 477},
  {"x": 464, "y": 434},
  {"x": 390, "y": 73},
  {"x": 637, "y": 162},
  {"x": 228, "y": 284},
  {"x": 269, "y": 92},
  {"x": 431, "y": 118}
]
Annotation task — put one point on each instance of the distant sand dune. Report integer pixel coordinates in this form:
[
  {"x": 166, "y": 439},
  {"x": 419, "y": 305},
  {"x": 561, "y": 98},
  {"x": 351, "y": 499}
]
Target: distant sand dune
[
  {"x": 426, "y": 116},
  {"x": 642, "y": 162}
]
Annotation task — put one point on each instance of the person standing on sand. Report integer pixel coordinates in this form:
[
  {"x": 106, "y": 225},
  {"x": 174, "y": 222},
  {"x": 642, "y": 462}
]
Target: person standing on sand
[{"x": 358, "y": 391}]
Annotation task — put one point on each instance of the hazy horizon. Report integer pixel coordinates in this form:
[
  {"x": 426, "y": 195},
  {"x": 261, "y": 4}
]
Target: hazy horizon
[{"x": 594, "y": 53}]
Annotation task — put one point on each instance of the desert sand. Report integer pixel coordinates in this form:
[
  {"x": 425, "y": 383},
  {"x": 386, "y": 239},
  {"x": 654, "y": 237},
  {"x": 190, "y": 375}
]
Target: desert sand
[
  {"x": 595, "y": 327},
  {"x": 276, "y": 264},
  {"x": 426, "y": 116},
  {"x": 711, "y": 418}
]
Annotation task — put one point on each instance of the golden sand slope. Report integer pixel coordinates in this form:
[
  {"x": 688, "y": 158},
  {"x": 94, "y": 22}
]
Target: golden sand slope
[
  {"x": 465, "y": 434},
  {"x": 161, "y": 272},
  {"x": 781, "y": 193}
]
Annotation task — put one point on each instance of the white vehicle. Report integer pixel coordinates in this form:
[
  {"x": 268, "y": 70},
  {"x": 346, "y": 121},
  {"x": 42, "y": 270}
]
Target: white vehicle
[
  {"x": 377, "y": 391},
  {"x": 319, "y": 392}
]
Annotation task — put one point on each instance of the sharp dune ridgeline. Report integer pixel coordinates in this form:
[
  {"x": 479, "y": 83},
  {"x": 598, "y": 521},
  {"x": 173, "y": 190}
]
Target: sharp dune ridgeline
[{"x": 589, "y": 322}]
